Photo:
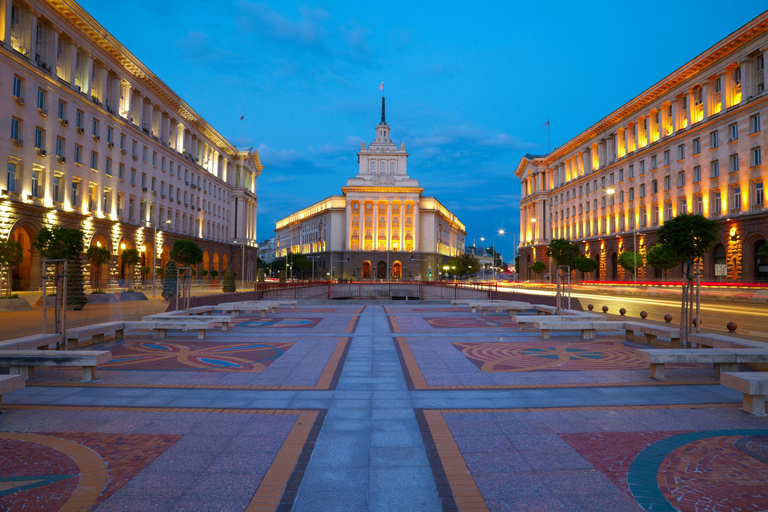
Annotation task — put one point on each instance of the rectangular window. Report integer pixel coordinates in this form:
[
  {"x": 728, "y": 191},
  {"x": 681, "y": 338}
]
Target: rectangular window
[
  {"x": 94, "y": 161},
  {"x": 733, "y": 132},
  {"x": 621, "y": 175},
  {"x": 78, "y": 154},
  {"x": 18, "y": 88},
  {"x": 667, "y": 183},
  {"x": 713, "y": 140},
  {"x": 621, "y": 196},
  {"x": 681, "y": 179},
  {"x": 74, "y": 194},
  {"x": 697, "y": 174},
  {"x": 632, "y": 194},
  {"x": 79, "y": 119},
  {"x": 696, "y": 146},
  {"x": 698, "y": 205},
  {"x": 714, "y": 169},
  {"x": 759, "y": 193},
  {"x": 133, "y": 176},
  {"x": 736, "y": 198},
  {"x": 36, "y": 175},
  {"x": 632, "y": 170},
  {"x": 60, "y": 145},
  {"x": 668, "y": 208},
  {"x": 41, "y": 101},
  {"x": 130, "y": 207},
  {"x": 755, "y": 157},
  {"x": 667, "y": 157},
  {"x": 110, "y": 136},
  {"x": 681, "y": 152},
  {"x": 716, "y": 202},
  {"x": 121, "y": 171},
  {"x": 57, "y": 189},
  {"x": 373, "y": 166},
  {"x": 62, "y": 110},
  {"x": 108, "y": 169},
  {"x": 13, "y": 169},
  {"x": 122, "y": 141},
  {"x": 754, "y": 123},
  {"x": 602, "y": 202},
  {"x": 654, "y": 187},
  {"x": 733, "y": 163},
  {"x": 96, "y": 129},
  {"x": 642, "y": 190},
  {"x": 653, "y": 164},
  {"x": 39, "y": 138},
  {"x": 106, "y": 203},
  {"x": 682, "y": 207}
]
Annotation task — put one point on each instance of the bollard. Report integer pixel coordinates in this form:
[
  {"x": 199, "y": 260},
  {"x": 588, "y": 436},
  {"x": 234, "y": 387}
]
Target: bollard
[
  {"x": 731, "y": 326},
  {"x": 622, "y": 311},
  {"x": 643, "y": 315},
  {"x": 605, "y": 309},
  {"x": 590, "y": 307},
  {"x": 667, "y": 318}
]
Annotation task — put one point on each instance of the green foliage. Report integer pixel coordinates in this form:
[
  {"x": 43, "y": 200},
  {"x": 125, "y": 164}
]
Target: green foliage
[
  {"x": 563, "y": 251},
  {"x": 204, "y": 273},
  {"x": 689, "y": 237},
  {"x": 662, "y": 257},
  {"x": 763, "y": 253},
  {"x": 465, "y": 264},
  {"x": 228, "y": 283},
  {"x": 282, "y": 276},
  {"x": 169, "y": 281},
  {"x": 260, "y": 263},
  {"x": 186, "y": 253},
  {"x": 538, "y": 267},
  {"x": 76, "y": 284},
  {"x": 585, "y": 265},
  {"x": 58, "y": 243},
  {"x": 497, "y": 261},
  {"x": 260, "y": 275},
  {"x": 627, "y": 260},
  {"x": 517, "y": 265},
  {"x": 11, "y": 254},
  {"x": 97, "y": 256},
  {"x": 130, "y": 257},
  {"x": 160, "y": 271},
  {"x": 145, "y": 270},
  {"x": 214, "y": 274}
]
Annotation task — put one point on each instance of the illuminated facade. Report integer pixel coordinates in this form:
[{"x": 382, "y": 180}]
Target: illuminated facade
[
  {"x": 692, "y": 143},
  {"x": 381, "y": 226},
  {"x": 93, "y": 139}
]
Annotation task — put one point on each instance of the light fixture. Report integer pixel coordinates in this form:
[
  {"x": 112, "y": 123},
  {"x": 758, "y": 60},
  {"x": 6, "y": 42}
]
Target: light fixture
[
  {"x": 733, "y": 233},
  {"x": 533, "y": 220},
  {"x": 98, "y": 244},
  {"x": 610, "y": 191},
  {"x": 501, "y": 231},
  {"x": 122, "y": 246}
]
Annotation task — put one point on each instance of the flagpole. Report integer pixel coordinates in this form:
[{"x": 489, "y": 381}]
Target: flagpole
[
  {"x": 242, "y": 135},
  {"x": 549, "y": 127}
]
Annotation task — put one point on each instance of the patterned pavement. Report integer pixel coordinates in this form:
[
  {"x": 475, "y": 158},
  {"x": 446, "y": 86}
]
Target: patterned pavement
[{"x": 379, "y": 408}]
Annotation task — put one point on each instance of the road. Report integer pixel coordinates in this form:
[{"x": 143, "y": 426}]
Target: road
[{"x": 751, "y": 318}]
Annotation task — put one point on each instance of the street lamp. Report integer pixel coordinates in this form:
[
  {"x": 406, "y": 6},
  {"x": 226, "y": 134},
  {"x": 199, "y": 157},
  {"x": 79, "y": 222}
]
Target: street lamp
[{"x": 154, "y": 255}]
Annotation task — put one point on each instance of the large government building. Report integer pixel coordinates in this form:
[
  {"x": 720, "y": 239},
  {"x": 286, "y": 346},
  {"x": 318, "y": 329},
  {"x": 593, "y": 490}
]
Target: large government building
[
  {"x": 92, "y": 139},
  {"x": 691, "y": 143},
  {"x": 381, "y": 227}
]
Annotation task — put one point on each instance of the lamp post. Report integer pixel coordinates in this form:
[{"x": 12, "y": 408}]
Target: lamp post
[
  {"x": 501, "y": 232},
  {"x": 154, "y": 254}
]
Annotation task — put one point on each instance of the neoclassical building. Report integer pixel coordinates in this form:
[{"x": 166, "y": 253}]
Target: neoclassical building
[
  {"x": 92, "y": 139},
  {"x": 381, "y": 226},
  {"x": 691, "y": 143}
]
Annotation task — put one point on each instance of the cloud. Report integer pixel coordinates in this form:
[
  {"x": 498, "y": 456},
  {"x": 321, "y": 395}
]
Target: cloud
[
  {"x": 280, "y": 158},
  {"x": 263, "y": 21}
]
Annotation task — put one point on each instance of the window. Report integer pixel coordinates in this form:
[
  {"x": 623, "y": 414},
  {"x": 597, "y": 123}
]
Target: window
[
  {"x": 759, "y": 197},
  {"x": 667, "y": 157},
  {"x": 697, "y": 174},
  {"x": 716, "y": 202},
  {"x": 621, "y": 196},
  {"x": 130, "y": 207},
  {"x": 668, "y": 210},
  {"x": 133, "y": 176},
  {"x": 681, "y": 179},
  {"x": 122, "y": 141},
  {"x": 698, "y": 205},
  {"x": 15, "y": 129},
  {"x": 39, "y": 138},
  {"x": 643, "y": 217},
  {"x": 36, "y": 176},
  {"x": 632, "y": 194},
  {"x": 79, "y": 119},
  {"x": 41, "y": 100},
  {"x": 667, "y": 183},
  {"x": 96, "y": 129},
  {"x": 653, "y": 164},
  {"x": 144, "y": 180},
  {"x": 713, "y": 140},
  {"x": 610, "y": 180},
  {"x": 714, "y": 169},
  {"x": 78, "y": 154},
  {"x": 755, "y": 157},
  {"x": 391, "y": 167},
  {"x": 13, "y": 171},
  {"x": 121, "y": 171},
  {"x": 62, "y": 110},
  {"x": 94, "y": 161},
  {"x": 654, "y": 187},
  {"x": 57, "y": 189},
  {"x": 144, "y": 153},
  {"x": 110, "y": 136},
  {"x": 642, "y": 190},
  {"x": 733, "y": 163},
  {"x": 736, "y": 197},
  {"x": 754, "y": 123},
  {"x": 683, "y": 207},
  {"x": 733, "y": 132},
  {"x": 154, "y": 158},
  {"x": 106, "y": 203},
  {"x": 74, "y": 193},
  {"x": 696, "y": 146},
  {"x": 60, "y": 144},
  {"x": 632, "y": 171},
  {"x": 602, "y": 202},
  {"x": 18, "y": 88},
  {"x": 681, "y": 152},
  {"x": 108, "y": 169}
]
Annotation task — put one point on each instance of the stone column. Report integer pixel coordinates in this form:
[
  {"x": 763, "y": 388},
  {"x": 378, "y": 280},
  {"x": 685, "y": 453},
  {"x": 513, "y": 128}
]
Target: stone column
[
  {"x": 348, "y": 226},
  {"x": 389, "y": 224},
  {"x": 72, "y": 65},
  {"x": 375, "y": 230},
  {"x": 705, "y": 100},
  {"x": 402, "y": 226},
  {"x": 689, "y": 111},
  {"x": 5, "y": 34},
  {"x": 416, "y": 226},
  {"x": 746, "y": 79}
]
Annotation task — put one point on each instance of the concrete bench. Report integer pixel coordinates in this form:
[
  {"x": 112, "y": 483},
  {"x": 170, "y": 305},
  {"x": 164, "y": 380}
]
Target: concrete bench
[
  {"x": 652, "y": 333},
  {"x": 237, "y": 309},
  {"x": 523, "y": 319},
  {"x": 160, "y": 328},
  {"x": 201, "y": 310},
  {"x": 754, "y": 386},
  {"x": 9, "y": 383},
  {"x": 723, "y": 360},
  {"x": 542, "y": 309},
  {"x": 23, "y": 362},
  {"x": 511, "y": 309},
  {"x": 587, "y": 327},
  {"x": 95, "y": 333},
  {"x": 33, "y": 342},
  {"x": 705, "y": 339},
  {"x": 167, "y": 314},
  {"x": 224, "y": 320}
]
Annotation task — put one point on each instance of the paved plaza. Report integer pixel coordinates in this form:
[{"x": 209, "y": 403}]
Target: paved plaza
[{"x": 388, "y": 406}]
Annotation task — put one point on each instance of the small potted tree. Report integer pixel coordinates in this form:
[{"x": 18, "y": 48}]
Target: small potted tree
[
  {"x": 130, "y": 258},
  {"x": 98, "y": 257}
]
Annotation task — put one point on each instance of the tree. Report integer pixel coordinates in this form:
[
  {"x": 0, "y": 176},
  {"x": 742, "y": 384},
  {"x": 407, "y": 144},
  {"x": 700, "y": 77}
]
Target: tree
[
  {"x": 169, "y": 280},
  {"x": 260, "y": 263},
  {"x": 130, "y": 258},
  {"x": 538, "y": 268},
  {"x": 60, "y": 243},
  {"x": 661, "y": 257},
  {"x": 689, "y": 238},
  {"x": 563, "y": 251},
  {"x": 76, "y": 284},
  {"x": 465, "y": 264},
  {"x": 228, "y": 283},
  {"x": 497, "y": 259},
  {"x": 214, "y": 274},
  {"x": 260, "y": 276},
  {"x": 763, "y": 253},
  {"x": 186, "y": 253},
  {"x": 11, "y": 254},
  {"x": 98, "y": 256},
  {"x": 584, "y": 265},
  {"x": 517, "y": 265},
  {"x": 627, "y": 261}
]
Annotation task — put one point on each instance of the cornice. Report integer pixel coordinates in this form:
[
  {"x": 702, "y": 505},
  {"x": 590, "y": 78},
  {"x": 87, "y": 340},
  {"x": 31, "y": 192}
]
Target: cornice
[{"x": 416, "y": 190}]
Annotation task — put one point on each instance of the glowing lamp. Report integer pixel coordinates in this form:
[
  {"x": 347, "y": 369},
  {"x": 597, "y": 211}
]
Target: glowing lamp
[
  {"x": 98, "y": 244},
  {"x": 610, "y": 191},
  {"x": 122, "y": 247}
]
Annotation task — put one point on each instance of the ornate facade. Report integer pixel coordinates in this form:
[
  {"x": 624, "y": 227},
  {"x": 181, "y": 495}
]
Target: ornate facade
[
  {"x": 92, "y": 139},
  {"x": 382, "y": 226},
  {"x": 692, "y": 143}
]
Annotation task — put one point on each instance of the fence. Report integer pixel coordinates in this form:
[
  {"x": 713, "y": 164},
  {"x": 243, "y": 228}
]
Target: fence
[{"x": 387, "y": 290}]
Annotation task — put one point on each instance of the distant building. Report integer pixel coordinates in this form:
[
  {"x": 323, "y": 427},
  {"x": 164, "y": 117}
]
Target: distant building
[
  {"x": 92, "y": 139},
  {"x": 267, "y": 249},
  {"x": 691, "y": 143},
  {"x": 479, "y": 252},
  {"x": 381, "y": 226}
]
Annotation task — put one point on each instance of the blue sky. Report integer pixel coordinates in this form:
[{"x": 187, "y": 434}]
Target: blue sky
[{"x": 468, "y": 86}]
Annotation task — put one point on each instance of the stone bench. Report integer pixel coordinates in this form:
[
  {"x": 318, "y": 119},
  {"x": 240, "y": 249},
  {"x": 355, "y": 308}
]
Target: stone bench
[
  {"x": 9, "y": 383},
  {"x": 201, "y": 310},
  {"x": 33, "y": 342},
  {"x": 754, "y": 386},
  {"x": 237, "y": 309},
  {"x": 587, "y": 328},
  {"x": 523, "y": 319},
  {"x": 224, "y": 320},
  {"x": 652, "y": 333},
  {"x": 95, "y": 333},
  {"x": 723, "y": 360},
  {"x": 706, "y": 339},
  {"x": 511, "y": 309},
  {"x": 160, "y": 328},
  {"x": 542, "y": 309},
  {"x": 23, "y": 362},
  {"x": 167, "y": 314}
]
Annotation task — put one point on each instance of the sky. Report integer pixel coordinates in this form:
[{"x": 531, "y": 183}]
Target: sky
[{"x": 468, "y": 86}]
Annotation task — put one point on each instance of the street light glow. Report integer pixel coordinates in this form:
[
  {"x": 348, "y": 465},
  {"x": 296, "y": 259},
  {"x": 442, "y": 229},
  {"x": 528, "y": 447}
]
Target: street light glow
[
  {"x": 610, "y": 191},
  {"x": 501, "y": 231}
]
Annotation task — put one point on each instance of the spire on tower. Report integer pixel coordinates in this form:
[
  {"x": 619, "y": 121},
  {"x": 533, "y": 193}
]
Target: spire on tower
[{"x": 382, "y": 111}]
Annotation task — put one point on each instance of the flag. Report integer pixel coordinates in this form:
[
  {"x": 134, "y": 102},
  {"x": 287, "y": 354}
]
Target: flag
[
  {"x": 381, "y": 87},
  {"x": 545, "y": 124},
  {"x": 242, "y": 116}
]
